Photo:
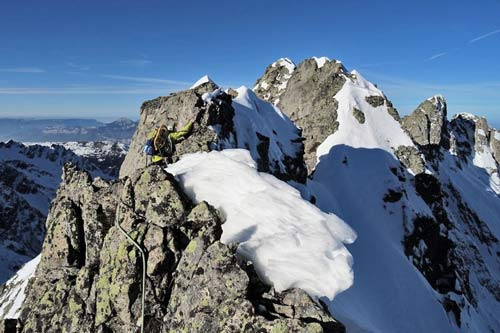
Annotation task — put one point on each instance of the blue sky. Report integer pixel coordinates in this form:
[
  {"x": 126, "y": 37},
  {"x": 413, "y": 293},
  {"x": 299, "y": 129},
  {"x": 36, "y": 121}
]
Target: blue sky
[{"x": 104, "y": 58}]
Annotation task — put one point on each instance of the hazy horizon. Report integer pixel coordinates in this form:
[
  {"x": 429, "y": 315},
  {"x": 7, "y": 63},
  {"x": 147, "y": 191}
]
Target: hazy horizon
[{"x": 103, "y": 59}]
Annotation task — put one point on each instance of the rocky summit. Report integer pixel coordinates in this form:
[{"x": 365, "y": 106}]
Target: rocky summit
[
  {"x": 311, "y": 157},
  {"x": 89, "y": 276}
]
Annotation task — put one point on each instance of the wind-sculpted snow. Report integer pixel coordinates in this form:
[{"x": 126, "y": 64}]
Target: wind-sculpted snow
[
  {"x": 259, "y": 123},
  {"x": 290, "y": 241}
]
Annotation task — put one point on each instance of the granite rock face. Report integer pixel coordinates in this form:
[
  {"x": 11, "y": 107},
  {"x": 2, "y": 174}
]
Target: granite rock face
[
  {"x": 427, "y": 125},
  {"x": 214, "y": 129},
  {"x": 89, "y": 276},
  {"x": 176, "y": 110},
  {"x": 274, "y": 81},
  {"x": 308, "y": 101}
]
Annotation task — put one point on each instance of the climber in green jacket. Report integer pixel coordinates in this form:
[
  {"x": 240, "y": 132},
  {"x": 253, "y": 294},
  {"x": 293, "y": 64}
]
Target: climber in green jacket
[{"x": 161, "y": 141}]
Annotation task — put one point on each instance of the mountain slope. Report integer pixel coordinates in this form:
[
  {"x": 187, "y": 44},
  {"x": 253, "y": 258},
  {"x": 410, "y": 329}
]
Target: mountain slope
[
  {"x": 29, "y": 178},
  {"x": 397, "y": 185}
]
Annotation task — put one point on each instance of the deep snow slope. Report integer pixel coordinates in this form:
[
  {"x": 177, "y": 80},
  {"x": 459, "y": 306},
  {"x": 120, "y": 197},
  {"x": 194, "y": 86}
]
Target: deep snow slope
[
  {"x": 426, "y": 257},
  {"x": 29, "y": 179}
]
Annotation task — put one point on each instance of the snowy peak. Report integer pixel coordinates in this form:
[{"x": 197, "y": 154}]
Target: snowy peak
[
  {"x": 204, "y": 79},
  {"x": 364, "y": 118},
  {"x": 284, "y": 62},
  {"x": 322, "y": 97},
  {"x": 438, "y": 101},
  {"x": 271, "y": 137},
  {"x": 275, "y": 79},
  {"x": 321, "y": 61}
]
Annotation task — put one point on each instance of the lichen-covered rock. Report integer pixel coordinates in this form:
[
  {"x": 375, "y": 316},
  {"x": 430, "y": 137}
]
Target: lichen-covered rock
[
  {"x": 62, "y": 294},
  {"x": 427, "y": 125},
  {"x": 359, "y": 115},
  {"x": 90, "y": 276},
  {"x": 29, "y": 177},
  {"x": 392, "y": 110},
  {"x": 309, "y": 102},
  {"x": 375, "y": 100},
  {"x": 216, "y": 128},
  {"x": 411, "y": 158},
  {"x": 176, "y": 110}
]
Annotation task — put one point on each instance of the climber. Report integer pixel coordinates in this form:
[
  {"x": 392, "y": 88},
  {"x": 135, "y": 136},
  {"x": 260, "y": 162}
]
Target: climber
[{"x": 161, "y": 142}]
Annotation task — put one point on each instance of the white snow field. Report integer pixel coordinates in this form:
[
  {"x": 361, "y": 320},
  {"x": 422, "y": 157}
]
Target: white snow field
[
  {"x": 379, "y": 130},
  {"x": 12, "y": 300},
  {"x": 290, "y": 241}
]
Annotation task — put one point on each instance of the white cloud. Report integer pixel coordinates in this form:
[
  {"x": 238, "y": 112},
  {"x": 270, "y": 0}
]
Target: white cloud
[
  {"x": 144, "y": 79},
  {"x": 439, "y": 55},
  {"x": 489, "y": 34},
  {"x": 78, "y": 66},
  {"x": 81, "y": 90},
  {"x": 136, "y": 62},
  {"x": 33, "y": 70}
]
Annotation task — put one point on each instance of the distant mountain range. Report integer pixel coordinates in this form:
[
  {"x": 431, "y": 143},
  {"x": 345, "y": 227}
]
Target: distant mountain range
[{"x": 63, "y": 130}]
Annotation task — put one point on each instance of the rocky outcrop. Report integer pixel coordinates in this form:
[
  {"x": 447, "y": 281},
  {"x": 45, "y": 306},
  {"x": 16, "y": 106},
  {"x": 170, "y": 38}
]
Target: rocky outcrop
[
  {"x": 89, "y": 277},
  {"x": 215, "y": 128},
  {"x": 274, "y": 81},
  {"x": 375, "y": 100},
  {"x": 470, "y": 136},
  {"x": 309, "y": 101},
  {"x": 495, "y": 144},
  {"x": 176, "y": 110},
  {"x": 411, "y": 158},
  {"x": 29, "y": 176},
  {"x": 427, "y": 125},
  {"x": 359, "y": 115}
]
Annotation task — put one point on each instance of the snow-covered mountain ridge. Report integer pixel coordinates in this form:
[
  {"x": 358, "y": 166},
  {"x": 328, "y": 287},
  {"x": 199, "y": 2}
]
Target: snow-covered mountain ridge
[
  {"x": 420, "y": 192},
  {"x": 433, "y": 200}
]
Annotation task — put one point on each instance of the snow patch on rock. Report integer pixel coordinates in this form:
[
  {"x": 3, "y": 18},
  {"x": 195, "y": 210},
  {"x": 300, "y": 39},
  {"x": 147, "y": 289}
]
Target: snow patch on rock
[
  {"x": 202, "y": 80},
  {"x": 380, "y": 130},
  {"x": 321, "y": 61},
  {"x": 285, "y": 62}
]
